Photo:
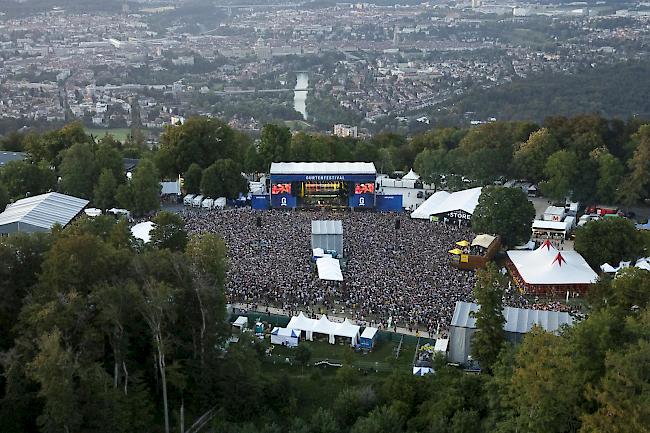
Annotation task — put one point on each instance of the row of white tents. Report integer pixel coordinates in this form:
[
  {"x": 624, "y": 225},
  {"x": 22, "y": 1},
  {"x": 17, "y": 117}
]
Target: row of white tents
[
  {"x": 324, "y": 326},
  {"x": 643, "y": 263}
]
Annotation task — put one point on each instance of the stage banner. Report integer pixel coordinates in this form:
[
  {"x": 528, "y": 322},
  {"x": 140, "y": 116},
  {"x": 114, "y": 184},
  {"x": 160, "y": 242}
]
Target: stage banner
[
  {"x": 283, "y": 201},
  {"x": 362, "y": 200},
  {"x": 389, "y": 203}
]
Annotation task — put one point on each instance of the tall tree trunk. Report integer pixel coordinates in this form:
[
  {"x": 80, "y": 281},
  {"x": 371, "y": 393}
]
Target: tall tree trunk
[
  {"x": 163, "y": 378},
  {"x": 126, "y": 378},
  {"x": 203, "y": 326}
]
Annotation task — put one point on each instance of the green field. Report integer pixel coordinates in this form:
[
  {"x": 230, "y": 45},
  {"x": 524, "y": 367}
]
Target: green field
[
  {"x": 119, "y": 134},
  {"x": 382, "y": 358}
]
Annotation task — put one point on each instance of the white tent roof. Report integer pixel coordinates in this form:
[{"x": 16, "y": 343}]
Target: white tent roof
[
  {"x": 411, "y": 175},
  {"x": 170, "y": 188},
  {"x": 369, "y": 332},
  {"x": 332, "y": 168},
  {"x": 329, "y": 269},
  {"x": 443, "y": 202},
  {"x": 546, "y": 265},
  {"x": 301, "y": 322},
  {"x": 143, "y": 231},
  {"x": 518, "y": 320},
  {"x": 549, "y": 225},
  {"x": 441, "y": 345},
  {"x": 43, "y": 211},
  {"x": 483, "y": 240},
  {"x": 324, "y": 326},
  {"x": 285, "y": 332},
  {"x": 241, "y": 321},
  {"x": 421, "y": 371},
  {"x": 606, "y": 267},
  {"x": 643, "y": 264},
  {"x": 347, "y": 329},
  {"x": 317, "y": 252}
]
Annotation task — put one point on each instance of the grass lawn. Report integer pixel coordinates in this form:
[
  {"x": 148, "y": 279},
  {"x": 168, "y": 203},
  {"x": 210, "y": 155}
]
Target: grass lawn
[
  {"x": 381, "y": 358},
  {"x": 119, "y": 134}
]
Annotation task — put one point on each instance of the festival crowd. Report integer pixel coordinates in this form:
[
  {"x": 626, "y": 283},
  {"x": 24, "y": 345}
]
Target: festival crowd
[{"x": 392, "y": 276}]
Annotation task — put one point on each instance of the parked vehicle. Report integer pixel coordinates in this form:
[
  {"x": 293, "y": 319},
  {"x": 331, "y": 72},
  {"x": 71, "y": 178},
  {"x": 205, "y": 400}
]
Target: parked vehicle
[
  {"x": 196, "y": 201},
  {"x": 187, "y": 201}
]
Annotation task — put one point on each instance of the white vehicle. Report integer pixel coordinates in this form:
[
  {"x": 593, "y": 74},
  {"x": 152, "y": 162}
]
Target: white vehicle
[
  {"x": 196, "y": 201},
  {"x": 187, "y": 201},
  {"x": 119, "y": 212},
  {"x": 207, "y": 203}
]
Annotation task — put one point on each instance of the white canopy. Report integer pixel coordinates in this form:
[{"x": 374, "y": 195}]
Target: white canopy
[
  {"x": 318, "y": 252},
  {"x": 326, "y": 327},
  {"x": 93, "y": 212},
  {"x": 369, "y": 333},
  {"x": 241, "y": 322},
  {"x": 329, "y": 269},
  {"x": 643, "y": 264},
  {"x": 285, "y": 336},
  {"x": 441, "y": 345},
  {"x": 607, "y": 268},
  {"x": 443, "y": 202},
  {"x": 411, "y": 175},
  {"x": 143, "y": 231},
  {"x": 546, "y": 265}
]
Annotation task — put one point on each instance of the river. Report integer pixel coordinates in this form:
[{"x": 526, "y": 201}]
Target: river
[{"x": 300, "y": 94}]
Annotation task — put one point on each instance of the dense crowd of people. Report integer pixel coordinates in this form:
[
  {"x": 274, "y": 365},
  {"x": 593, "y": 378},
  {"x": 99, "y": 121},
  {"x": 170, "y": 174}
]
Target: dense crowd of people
[{"x": 392, "y": 276}]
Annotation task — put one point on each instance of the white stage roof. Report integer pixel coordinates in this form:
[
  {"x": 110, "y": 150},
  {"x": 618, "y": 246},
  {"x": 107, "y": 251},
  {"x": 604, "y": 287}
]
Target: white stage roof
[
  {"x": 323, "y": 168},
  {"x": 443, "y": 202},
  {"x": 546, "y": 265}
]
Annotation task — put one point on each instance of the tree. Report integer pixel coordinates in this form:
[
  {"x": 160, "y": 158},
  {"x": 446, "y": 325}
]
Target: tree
[
  {"x": 546, "y": 390},
  {"x": 223, "y": 178},
  {"x": 4, "y": 197},
  {"x": 506, "y": 212},
  {"x": 22, "y": 179},
  {"x": 530, "y": 158},
  {"x": 145, "y": 185},
  {"x": 274, "y": 144},
  {"x": 636, "y": 186},
  {"x": 193, "y": 179},
  {"x": 169, "y": 231},
  {"x": 54, "y": 370},
  {"x": 622, "y": 395},
  {"x": 610, "y": 175},
  {"x": 156, "y": 307},
  {"x": 608, "y": 240},
  {"x": 303, "y": 354},
  {"x": 105, "y": 190},
  {"x": 78, "y": 171},
  {"x": 210, "y": 185},
  {"x": 384, "y": 419},
  {"x": 561, "y": 169},
  {"x": 431, "y": 165},
  {"x": 489, "y": 336}
]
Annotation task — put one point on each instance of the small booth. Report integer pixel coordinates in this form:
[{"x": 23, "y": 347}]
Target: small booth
[
  {"x": 241, "y": 322},
  {"x": 368, "y": 338},
  {"x": 285, "y": 337}
]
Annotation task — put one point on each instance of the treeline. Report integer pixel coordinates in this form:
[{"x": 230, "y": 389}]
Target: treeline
[
  {"x": 587, "y": 158},
  {"x": 611, "y": 90},
  {"x": 101, "y": 334}
]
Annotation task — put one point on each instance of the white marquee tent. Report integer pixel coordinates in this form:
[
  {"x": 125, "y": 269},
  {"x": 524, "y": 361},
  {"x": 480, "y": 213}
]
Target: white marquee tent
[
  {"x": 547, "y": 265},
  {"x": 326, "y": 327},
  {"x": 442, "y": 202},
  {"x": 285, "y": 336}
]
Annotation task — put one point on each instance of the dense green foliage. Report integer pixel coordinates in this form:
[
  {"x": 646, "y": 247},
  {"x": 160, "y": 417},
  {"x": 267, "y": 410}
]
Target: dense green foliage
[
  {"x": 609, "y": 240},
  {"x": 613, "y": 91},
  {"x": 505, "y": 212}
]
